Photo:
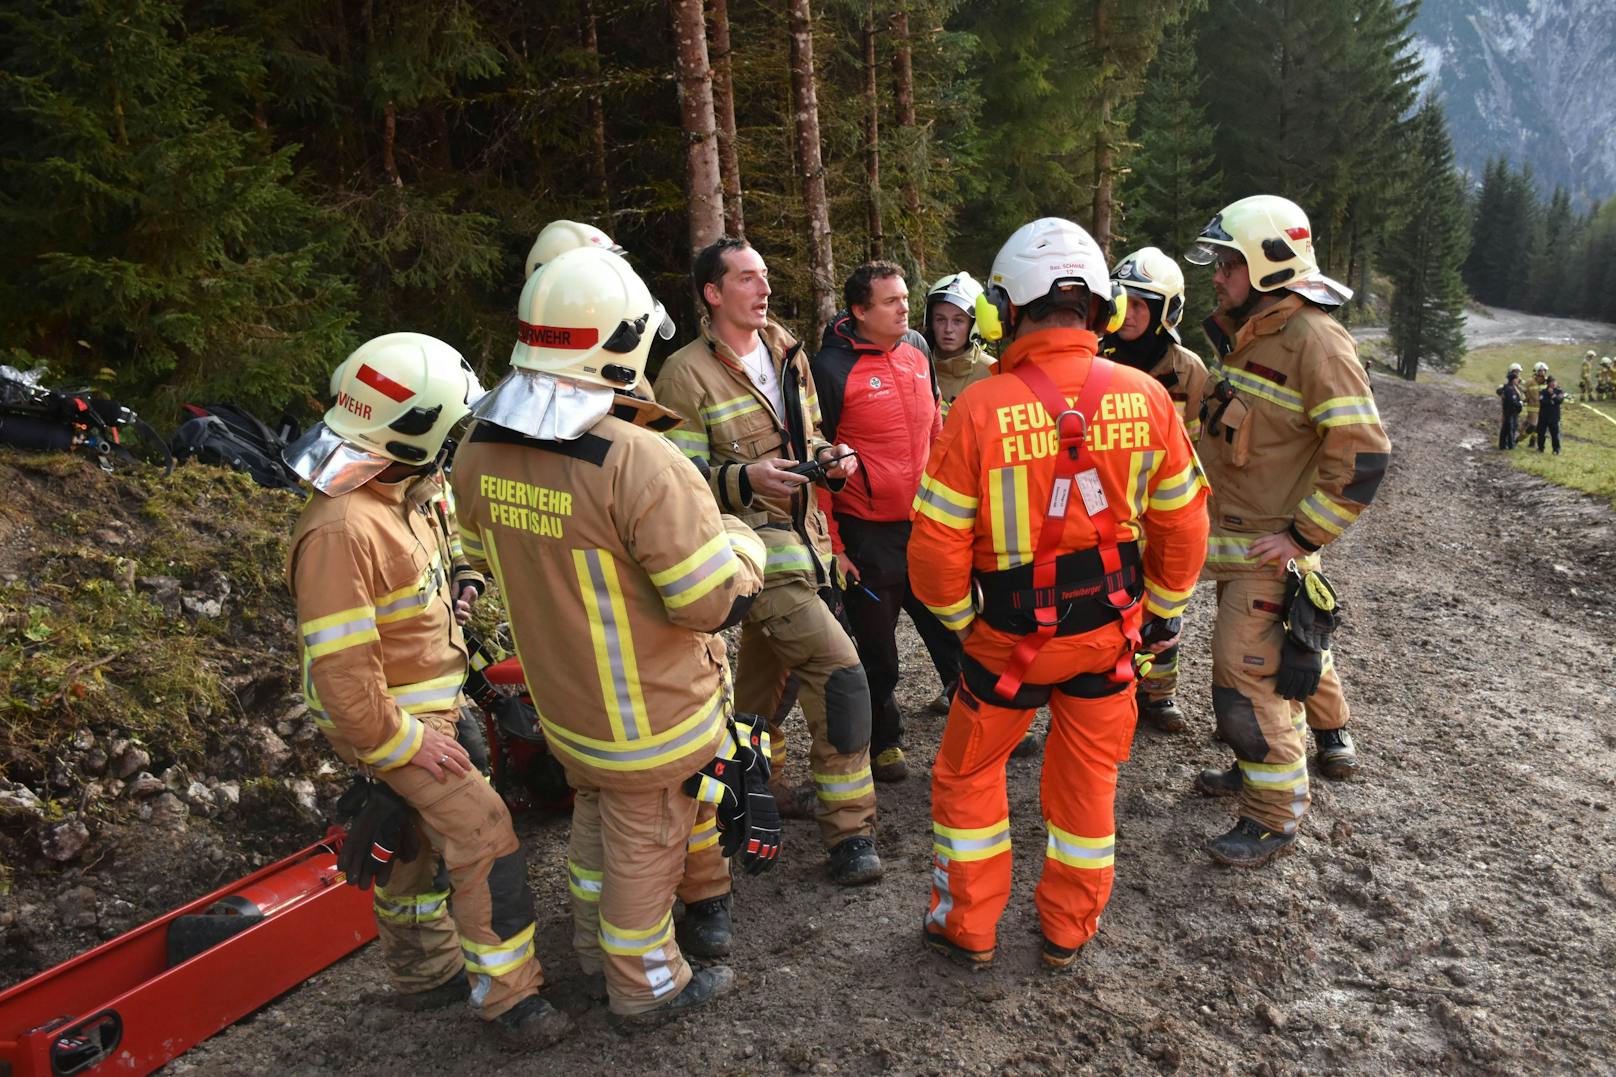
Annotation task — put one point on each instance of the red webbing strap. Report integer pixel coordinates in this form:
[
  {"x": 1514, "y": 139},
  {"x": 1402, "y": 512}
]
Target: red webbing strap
[{"x": 1072, "y": 459}]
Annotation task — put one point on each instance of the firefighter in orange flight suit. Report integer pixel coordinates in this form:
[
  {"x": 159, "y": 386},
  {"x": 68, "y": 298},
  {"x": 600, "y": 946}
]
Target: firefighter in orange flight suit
[{"x": 1037, "y": 510}]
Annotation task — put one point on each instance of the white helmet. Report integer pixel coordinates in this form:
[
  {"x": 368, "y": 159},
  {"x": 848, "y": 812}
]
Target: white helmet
[
  {"x": 1049, "y": 259},
  {"x": 586, "y": 315},
  {"x": 558, "y": 237},
  {"x": 1514, "y": 368},
  {"x": 1589, "y": 354},
  {"x": 1606, "y": 361},
  {"x": 960, "y": 289},
  {"x": 1150, "y": 274},
  {"x": 1276, "y": 240},
  {"x": 1540, "y": 368},
  {"x": 397, "y": 398}
]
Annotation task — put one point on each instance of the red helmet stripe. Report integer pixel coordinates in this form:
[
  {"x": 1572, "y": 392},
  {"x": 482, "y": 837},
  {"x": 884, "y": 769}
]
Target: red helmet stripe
[
  {"x": 384, "y": 385},
  {"x": 554, "y": 336},
  {"x": 1296, "y": 233}
]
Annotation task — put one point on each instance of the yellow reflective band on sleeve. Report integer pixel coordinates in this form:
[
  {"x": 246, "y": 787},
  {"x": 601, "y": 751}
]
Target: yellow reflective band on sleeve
[
  {"x": 1263, "y": 388},
  {"x": 1344, "y": 411},
  {"x": 1178, "y": 491},
  {"x": 940, "y": 502},
  {"x": 612, "y": 634},
  {"x": 1325, "y": 512},
  {"x": 696, "y": 576},
  {"x": 749, "y": 546},
  {"x": 584, "y": 883},
  {"x": 1013, "y": 543},
  {"x": 813, "y": 409},
  {"x": 704, "y": 835},
  {"x": 501, "y": 957},
  {"x": 793, "y": 557},
  {"x": 1164, "y": 601},
  {"x": 693, "y": 733},
  {"x": 850, "y": 786},
  {"x": 954, "y": 616},
  {"x": 426, "y": 697},
  {"x": 470, "y": 542},
  {"x": 397, "y": 749},
  {"x": 1230, "y": 550},
  {"x": 726, "y": 410},
  {"x": 1080, "y": 852},
  {"x": 945, "y": 406},
  {"x": 1142, "y": 467},
  {"x": 410, "y": 909},
  {"x": 970, "y": 843},
  {"x": 1274, "y": 775},
  {"x": 633, "y": 942},
  {"x": 339, "y": 631},
  {"x": 690, "y": 441}
]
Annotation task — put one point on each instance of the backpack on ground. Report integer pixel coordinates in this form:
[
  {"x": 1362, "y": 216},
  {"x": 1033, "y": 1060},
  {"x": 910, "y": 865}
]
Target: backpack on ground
[
  {"x": 41, "y": 419},
  {"x": 225, "y": 435}
]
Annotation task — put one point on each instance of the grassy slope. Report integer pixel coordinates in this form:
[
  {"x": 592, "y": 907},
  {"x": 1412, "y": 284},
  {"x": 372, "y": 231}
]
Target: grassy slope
[{"x": 1588, "y": 458}]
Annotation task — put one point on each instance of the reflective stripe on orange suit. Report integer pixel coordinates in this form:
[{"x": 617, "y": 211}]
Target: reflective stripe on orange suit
[{"x": 980, "y": 506}]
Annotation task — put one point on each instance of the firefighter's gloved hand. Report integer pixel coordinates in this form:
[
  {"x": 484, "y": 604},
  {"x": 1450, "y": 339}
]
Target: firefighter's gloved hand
[
  {"x": 736, "y": 780},
  {"x": 762, "y": 847},
  {"x": 380, "y": 833},
  {"x": 1299, "y": 670},
  {"x": 1161, "y": 633}
]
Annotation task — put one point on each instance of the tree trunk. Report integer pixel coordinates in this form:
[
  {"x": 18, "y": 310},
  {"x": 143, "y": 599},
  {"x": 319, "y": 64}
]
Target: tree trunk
[
  {"x": 1104, "y": 150},
  {"x": 389, "y": 140},
  {"x": 597, "y": 110},
  {"x": 805, "y": 105},
  {"x": 903, "y": 94},
  {"x": 702, "y": 188},
  {"x": 729, "y": 158},
  {"x": 872, "y": 137}
]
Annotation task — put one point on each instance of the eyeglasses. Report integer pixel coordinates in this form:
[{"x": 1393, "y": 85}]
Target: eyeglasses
[{"x": 1228, "y": 263}]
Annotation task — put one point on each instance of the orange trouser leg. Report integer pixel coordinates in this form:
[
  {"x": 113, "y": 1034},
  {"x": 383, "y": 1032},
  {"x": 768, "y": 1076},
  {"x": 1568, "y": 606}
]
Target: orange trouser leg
[
  {"x": 970, "y": 820},
  {"x": 1088, "y": 738}
]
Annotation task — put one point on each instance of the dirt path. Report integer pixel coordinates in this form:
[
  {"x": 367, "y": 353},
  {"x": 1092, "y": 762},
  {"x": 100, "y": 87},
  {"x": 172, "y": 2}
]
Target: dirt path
[
  {"x": 1494, "y": 326},
  {"x": 1455, "y": 909}
]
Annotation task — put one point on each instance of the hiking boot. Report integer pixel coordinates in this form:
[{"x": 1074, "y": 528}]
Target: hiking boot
[
  {"x": 1030, "y": 746},
  {"x": 1338, "y": 756},
  {"x": 531, "y": 1024},
  {"x": 705, "y": 930},
  {"x": 704, "y": 986},
  {"x": 796, "y": 801},
  {"x": 1058, "y": 958},
  {"x": 1162, "y": 715},
  {"x": 1213, "y": 782},
  {"x": 456, "y": 989},
  {"x": 1249, "y": 845},
  {"x": 854, "y": 862},
  {"x": 941, "y": 705},
  {"x": 889, "y": 765},
  {"x": 975, "y": 960}
]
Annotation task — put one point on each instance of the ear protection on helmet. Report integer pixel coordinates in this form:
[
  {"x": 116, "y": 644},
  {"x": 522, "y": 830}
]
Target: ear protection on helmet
[
  {"x": 1119, "y": 308},
  {"x": 993, "y": 313}
]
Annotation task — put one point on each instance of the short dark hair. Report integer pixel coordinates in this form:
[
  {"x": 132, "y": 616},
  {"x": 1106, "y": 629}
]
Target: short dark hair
[
  {"x": 858, "y": 289},
  {"x": 709, "y": 266}
]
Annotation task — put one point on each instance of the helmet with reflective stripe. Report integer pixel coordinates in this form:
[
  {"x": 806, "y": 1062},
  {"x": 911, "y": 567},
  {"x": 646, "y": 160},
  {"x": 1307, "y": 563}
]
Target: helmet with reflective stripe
[
  {"x": 1049, "y": 262},
  {"x": 1148, "y": 273},
  {"x": 558, "y": 237},
  {"x": 1272, "y": 233},
  {"x": 586, "y": 315},
  {"x": 960, "y": 289}
]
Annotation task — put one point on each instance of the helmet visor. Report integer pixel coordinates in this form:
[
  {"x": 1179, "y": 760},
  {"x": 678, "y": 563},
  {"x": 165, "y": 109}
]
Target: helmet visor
[
  {"x": 331, "y": 464},
  {"x": 1209, "y": 251}
]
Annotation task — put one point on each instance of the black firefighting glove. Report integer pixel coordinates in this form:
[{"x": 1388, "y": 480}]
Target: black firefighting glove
[
  {"x": 737, "y": 781},
  {"x": 380, "y": 833},
  {"x": 1299, "y": 670},
  {"x": 1313, "y": 612}
]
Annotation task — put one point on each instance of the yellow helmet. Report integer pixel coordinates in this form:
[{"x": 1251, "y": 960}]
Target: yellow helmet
[
  {"x": 1150, "y": 274},
  {"x": 558, "y": 237},
  {"x": 1275, "y": 238},
  {"x": 586, "y": 315}
]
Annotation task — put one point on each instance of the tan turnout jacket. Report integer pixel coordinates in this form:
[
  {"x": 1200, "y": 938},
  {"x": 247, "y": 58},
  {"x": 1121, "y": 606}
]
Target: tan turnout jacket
[
  {"x": 1300, "y": 448},
  {"x": 616, "y": 568},
  {"x": 1184, "y": 376},
  {"x": 370, "y": 571},
  {"x": 955, "y": 372},
  {"x": 729, "y": 423}
]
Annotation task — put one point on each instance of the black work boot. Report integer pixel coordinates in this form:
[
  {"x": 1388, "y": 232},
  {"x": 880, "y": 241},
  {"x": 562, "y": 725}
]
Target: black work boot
[
  {"x": 1338, "y": 756},
  {"x": 1219, "y": 783},
  {"x": 1162, "y": 715},
  {"x": 938, "y": 943},
  {"x": 704, "y": 986},
  {"x": 705, "y": 930},
  {"x": 455, "y": 989},
  {"x": 854, "y": 862},
  {"x": 530, "y": 1024},
  {"x": 1249, "y": 845},
  {"x": 1057, "y": 958}
]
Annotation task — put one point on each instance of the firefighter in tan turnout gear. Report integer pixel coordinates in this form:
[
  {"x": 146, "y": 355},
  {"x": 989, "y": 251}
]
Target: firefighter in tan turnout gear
[
  {"x": 383, "y": 661},
  {"x": 1149, "y": 341},
  {"x": 751, "y": 415},
  {"x": 617, "y": 569},
  {"x": 1294, "y": 448}
]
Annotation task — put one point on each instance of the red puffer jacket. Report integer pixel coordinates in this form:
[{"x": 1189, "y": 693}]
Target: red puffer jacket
[{"x": 884, "y": 404}]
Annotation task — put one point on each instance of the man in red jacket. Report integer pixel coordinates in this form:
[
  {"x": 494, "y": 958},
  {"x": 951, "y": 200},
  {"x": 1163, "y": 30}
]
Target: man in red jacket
[{"x": 877, "y": 395}]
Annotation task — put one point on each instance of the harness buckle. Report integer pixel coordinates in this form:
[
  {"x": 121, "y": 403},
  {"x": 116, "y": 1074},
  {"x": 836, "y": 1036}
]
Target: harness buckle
[{"x": 1082, "y": 430}]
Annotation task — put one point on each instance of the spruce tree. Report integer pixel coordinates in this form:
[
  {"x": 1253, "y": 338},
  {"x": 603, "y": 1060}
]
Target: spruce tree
[{"x": 1424, "y": 256}]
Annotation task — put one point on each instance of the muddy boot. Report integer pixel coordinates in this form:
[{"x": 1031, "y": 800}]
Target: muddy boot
[
  {"x": 704, "y": 986},
  {"x": 1030, "y": 746},
  {"x": 1219, "y": 783},
  {"x": 795, "y": 801},
  {"x": 889, "y": 765},
  {"x": 705, "y": 930},
  {"x": 937, "y": 943},
  {"x": 1338, "y": 756},
  {"x": 854, "y": 862},
  {"x": 1249, "y": 845},
  {"x": 1058, "y": 958},
  {"x": 531, "y": 1024},
  {"x": 1162, "y": 715},
  {"x": 941, "y": 705},
  {"x": 456, "y": 989}
]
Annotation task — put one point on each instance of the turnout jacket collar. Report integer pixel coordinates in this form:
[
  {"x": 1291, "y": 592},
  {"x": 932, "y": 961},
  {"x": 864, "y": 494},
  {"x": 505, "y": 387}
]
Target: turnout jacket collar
[
  {"x": 963, "y": 363},
  {"x": 1049, "y": 344},
  {"x": 777, "y": 340}
]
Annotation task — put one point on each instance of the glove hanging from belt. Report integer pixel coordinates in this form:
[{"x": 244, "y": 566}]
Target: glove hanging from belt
[
  {"x": 737, "y": 781},
  {"x": 1313, "y": 612},
  {"x": 380, "y": 833}
]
